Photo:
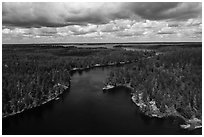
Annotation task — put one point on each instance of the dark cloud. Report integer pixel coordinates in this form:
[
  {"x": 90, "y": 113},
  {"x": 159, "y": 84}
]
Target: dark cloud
[
  {"x": 165, "y": 10},
  {"x": 198, "y": 32},
  {"x": 27, "y": 15},
  {"x": 124, "y": 34},
  {"x": 194, "y": 24},
  {"x": 59, "y": 14},
  {"x": 165, "y": 32},
  {"x": 65, "y": 14},
  {"x": 173, "y": 25},
  {"x": 128, "y": 33},
  {"x": 151, "y": 11}
]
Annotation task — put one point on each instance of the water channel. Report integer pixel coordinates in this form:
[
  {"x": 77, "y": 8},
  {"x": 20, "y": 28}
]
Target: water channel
[{"x": 86, "y": 109}]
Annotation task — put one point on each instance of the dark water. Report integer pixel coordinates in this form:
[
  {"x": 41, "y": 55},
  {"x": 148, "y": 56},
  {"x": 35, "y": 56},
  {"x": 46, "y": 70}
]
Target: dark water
[{"x": 86, "y": 109}]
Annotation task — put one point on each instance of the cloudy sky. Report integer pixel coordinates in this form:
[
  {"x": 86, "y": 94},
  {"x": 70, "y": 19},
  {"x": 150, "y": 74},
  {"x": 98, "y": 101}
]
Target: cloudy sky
[{"x": 101, "y": 22}]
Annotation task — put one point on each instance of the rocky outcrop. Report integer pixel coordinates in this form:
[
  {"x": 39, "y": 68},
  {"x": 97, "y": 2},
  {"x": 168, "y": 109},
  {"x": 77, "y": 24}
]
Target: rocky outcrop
[{"x": 150, "y": 109}]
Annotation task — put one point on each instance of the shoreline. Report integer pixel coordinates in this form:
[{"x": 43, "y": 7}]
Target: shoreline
[
  {"x": 64, "y": 87},
  {"x": 190, "y": 124},
  {"x": 44, "y": 102},
  {"x": 101, "y": 65}
]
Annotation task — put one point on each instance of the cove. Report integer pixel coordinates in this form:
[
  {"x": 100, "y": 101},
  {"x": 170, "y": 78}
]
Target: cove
[{"x": 86, "y": 109}]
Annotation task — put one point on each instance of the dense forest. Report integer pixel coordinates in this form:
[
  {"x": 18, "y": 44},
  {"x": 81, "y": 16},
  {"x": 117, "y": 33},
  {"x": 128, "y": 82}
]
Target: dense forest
[
  {"x": 33, "y": 75},
  {"x": 161, "y": 46},
  {"x": 166, "y": 84}
]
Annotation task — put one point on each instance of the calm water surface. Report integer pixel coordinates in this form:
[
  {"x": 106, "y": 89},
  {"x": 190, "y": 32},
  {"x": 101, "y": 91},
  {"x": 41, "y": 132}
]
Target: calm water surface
[{"x": 86, "y": 109}]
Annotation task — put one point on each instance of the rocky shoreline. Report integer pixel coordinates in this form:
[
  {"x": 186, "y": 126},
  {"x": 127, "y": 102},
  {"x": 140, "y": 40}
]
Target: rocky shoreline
[
  {"x": 150, "y": 109},
  {"x": 101, "y": 65}
]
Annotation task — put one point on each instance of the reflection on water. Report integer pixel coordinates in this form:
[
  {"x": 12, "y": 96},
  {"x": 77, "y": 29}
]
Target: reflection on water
[{"x": 86, "y": 109}]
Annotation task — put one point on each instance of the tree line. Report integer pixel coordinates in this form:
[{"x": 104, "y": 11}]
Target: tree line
[
  {"x": 33, "y": 75},
  {"x": 173, "y": 80}
]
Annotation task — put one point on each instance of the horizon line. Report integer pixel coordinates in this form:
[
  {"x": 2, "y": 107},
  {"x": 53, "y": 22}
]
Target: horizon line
[{"x": 142, "y": 42}]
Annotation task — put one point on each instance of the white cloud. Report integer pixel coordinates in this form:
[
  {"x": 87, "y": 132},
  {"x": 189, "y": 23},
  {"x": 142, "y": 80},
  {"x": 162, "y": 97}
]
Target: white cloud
[{"x": 101, "y": 21}]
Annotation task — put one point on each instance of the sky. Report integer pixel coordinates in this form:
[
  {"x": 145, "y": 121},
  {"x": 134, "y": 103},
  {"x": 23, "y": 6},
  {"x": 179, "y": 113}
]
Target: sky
[{"x": 101, "y": 22}]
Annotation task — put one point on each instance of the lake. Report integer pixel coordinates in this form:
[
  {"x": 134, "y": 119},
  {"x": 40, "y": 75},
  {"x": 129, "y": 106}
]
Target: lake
[{"x": 86, "y": 109}]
